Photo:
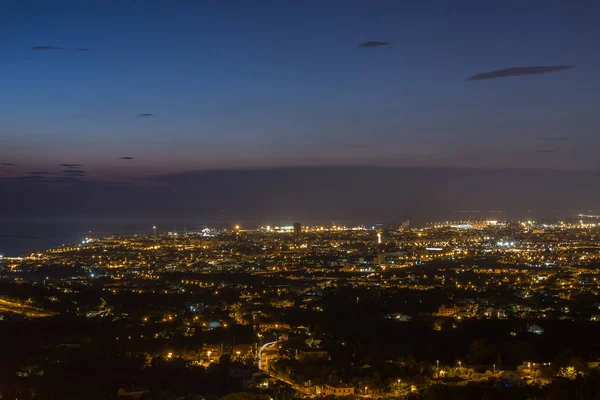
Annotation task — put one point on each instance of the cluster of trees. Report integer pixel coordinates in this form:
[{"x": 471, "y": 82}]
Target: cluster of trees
[
  {"x": 69, "y": 357},
  {"x": 99, "y": 376},
  {"x": 168, "y": 395},
  {"x": 582, "y": 388},
  {"x": 357, "y": 317}
]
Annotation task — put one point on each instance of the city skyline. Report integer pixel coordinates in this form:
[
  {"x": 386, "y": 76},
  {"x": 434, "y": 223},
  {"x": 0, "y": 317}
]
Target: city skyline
[{"x": 305, "y": 311}]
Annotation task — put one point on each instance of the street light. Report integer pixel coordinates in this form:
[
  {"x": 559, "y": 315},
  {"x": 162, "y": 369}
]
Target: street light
[
  {"x": 366, "y": 390},
  {"x": 459, "y": 364},
  {"x": 154, "y": 229}
]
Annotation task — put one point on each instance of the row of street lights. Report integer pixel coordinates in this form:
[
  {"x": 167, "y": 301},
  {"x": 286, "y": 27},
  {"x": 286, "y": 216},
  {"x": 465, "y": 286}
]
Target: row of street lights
[{"x": 437, "y": 362}]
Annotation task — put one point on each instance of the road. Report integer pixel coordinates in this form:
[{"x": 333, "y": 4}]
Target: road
[
  {"x": 261, "y": 356},
  {"x": 19, "y": 308},
  {"x": 262, "y": 364}
]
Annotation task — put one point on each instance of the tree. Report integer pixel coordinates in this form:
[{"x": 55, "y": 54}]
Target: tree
[
  {"x": 159, "y": 395},
  {"x": 517, "y": 352},
  {"x": 569, "y": 359},
  {"x": 480, "y": 352}
]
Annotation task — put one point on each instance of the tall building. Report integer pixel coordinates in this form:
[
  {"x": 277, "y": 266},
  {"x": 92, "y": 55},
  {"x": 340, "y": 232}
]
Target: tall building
[{"x": 297, "y": 228}]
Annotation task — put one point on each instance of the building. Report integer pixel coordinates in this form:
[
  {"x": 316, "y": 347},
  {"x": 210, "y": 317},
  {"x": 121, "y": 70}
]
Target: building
[
  {"x": 210, "y": 353},
  {"x": 134, "y": 393},
  {"x": 399, "y": 317},
  {"x": 448, "y": 311},
  {"x": 538, "y": 330},
  {"x": 267, "y": 356},
  {"x": 273, "y": 326},
  {"x": 241, "y": 350},
  {"x": 311, "y": 354},
  {"x": 297, "y": 229},
  {"x": 339, "y": 389}
]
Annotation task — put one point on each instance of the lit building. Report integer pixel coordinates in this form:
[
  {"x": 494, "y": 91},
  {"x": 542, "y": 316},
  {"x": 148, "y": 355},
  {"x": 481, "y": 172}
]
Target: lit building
[
  {"x": 297, "y": 229},
  {"x": 448, "y": 311},
  {"x": 379, "y": 259},
  {"x": 339, "y": 389}
]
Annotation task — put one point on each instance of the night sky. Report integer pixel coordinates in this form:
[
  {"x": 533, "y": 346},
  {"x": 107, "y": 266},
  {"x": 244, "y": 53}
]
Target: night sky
[{"x": 143, "y": 91}]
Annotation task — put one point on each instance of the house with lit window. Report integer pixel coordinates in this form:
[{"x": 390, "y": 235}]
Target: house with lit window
[{"x": 339, "y": 390}]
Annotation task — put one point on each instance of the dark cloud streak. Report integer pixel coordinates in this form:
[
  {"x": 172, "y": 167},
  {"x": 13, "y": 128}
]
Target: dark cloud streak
[
  {"x": 147, "y": 115},
  {"x": 50, "y": 48},
  {"x": 518, "y": 71},
  {"x": 31, "y": 178},
  {"x": 126, "y": 158},
  {"x": 372, "y": 44},
  {"x": 553, "y": 138},
  {"x": 45, "y": 48},
  {"x": 71, "y": 165}
]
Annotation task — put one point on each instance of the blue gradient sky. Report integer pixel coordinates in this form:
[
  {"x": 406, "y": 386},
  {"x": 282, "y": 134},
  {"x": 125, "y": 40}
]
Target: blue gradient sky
[{"x": 238, "y": 84}]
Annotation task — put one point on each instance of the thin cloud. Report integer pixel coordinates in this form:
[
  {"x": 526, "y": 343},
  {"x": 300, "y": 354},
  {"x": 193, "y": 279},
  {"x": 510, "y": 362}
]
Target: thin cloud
[
  {"x": 553, "y": 138},
  {"x": 79, "y": 115},
  {"x": 518, "y": 71},
  {"x": 374, "y": 44},
  {"x": 50, "y": 48},
  {"x": 145, "y": 115},
  {"x": 45, "y": 48},
  {"x": 8, "y": 164},
  {"x": 126, "y": 158},
  {"x": 41, "y": 179},
  {"x": 545, "y": 151},
  {"x": 71, "y": 165},
  {"x": 41, "y": 173},
  {"x": 26, "y": 178},
  {"x": 74, "y": 172}
]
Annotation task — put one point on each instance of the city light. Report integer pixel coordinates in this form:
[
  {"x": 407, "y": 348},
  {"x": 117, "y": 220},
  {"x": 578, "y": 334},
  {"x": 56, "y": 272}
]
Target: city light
[{"x": 306, "y": 272}]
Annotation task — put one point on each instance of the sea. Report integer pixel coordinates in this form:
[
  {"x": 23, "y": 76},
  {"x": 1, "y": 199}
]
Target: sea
[{"x": 23, "y": 237}]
